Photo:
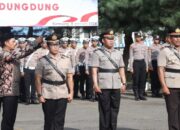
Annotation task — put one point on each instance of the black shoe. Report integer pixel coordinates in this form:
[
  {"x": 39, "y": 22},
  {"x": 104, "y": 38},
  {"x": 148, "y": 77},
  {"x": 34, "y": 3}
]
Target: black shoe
[
  {"x": 34, "y": 102},
  {"x": 76, "y": 97},
  {"x": 136, "y": 99},
  {"x": 83, "y": 97},
  {"x": 153, "y": 95},
  {"x": 142, "y": 98},
  {"x": 88, "y": 97},
  {"x": 28, "y": 102},
  {"x": 145, "y": 94},
  {"x": 159, "y": 95},
  {"x": 93, "y": 99}
]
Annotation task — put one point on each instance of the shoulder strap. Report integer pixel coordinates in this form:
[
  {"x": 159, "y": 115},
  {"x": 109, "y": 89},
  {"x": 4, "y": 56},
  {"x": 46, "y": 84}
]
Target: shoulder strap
[
  {"x": 110, "y": 59},
  {"x": 57, "y": 70},
  {"x": 177, "y": 55}
]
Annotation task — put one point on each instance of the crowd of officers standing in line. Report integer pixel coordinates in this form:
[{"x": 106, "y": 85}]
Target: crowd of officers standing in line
[
  {"x": 56, "y": 69},
  {"x": 80, "y": 60},
  {"x": 142, "y": 59}
]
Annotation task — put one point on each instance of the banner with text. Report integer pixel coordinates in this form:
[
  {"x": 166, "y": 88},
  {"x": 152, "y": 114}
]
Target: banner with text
[{"x": 49, "y": 13}]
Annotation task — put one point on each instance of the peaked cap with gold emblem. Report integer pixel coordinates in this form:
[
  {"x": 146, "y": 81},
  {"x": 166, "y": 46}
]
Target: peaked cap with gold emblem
[
  {"x": 108, "y": 32},
  {"x": 174, "y": 31},
  {"x": 52, "y": 38}
]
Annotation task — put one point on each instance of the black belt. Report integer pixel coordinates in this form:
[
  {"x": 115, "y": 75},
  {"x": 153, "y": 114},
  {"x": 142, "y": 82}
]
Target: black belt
[
  {"x": 53, "y": 82},
  {"x": 139, "y": 60},
  {"x": 172, "y": 70},
  {"x": 108, "y": 70}
]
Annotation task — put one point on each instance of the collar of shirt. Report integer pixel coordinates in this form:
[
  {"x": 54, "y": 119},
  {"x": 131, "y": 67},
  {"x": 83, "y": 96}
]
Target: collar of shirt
[
  {"x": 156, "y": 45},
  {"x": 54, "y": 57},
  {"x": 74, "y": 48},
  {"x": 108, "y": 50},
  {"x": 139, "y": 43}
]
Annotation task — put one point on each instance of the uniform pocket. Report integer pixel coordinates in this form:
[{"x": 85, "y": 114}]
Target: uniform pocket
[
  {"x": 48, "y": 69},
  {"x": 103, "y": 58}
]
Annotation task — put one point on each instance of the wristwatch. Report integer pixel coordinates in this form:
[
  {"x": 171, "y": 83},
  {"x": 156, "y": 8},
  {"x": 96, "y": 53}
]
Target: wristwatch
[
  {"x": 124, "y": 84},
  {"x": 39, "y": 95}
]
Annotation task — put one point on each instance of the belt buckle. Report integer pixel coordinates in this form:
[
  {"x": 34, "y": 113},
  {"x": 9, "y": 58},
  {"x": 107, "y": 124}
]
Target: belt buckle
[{"x": 54, "y": 83}]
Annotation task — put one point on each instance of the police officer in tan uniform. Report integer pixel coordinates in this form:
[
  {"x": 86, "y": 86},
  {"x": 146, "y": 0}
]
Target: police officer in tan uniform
[
  {"x": 169, "y": 75},
  {"x": 76, "y": 77},
  {"x": 30, "y": 63},
  {"x": 108, "y": 79},
  {"x": 52, "y": 73},
  {"x": 65, "y": 50},
  {"x": 22, "y": 41},
  {"x": 153, "y": 54},
  {"x": 138, "y": 66},
  {"x": 94, "y": 45},
  {"x": 82, "y": 60}
]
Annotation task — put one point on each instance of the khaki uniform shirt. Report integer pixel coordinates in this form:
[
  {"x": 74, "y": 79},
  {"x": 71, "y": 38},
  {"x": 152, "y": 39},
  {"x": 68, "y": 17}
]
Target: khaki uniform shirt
[
  {"x": 90, "y": 53},
  {"x": 168, "y": 59},
  {"x": 30, "y": 62},
  {"x": 166, "y": 45},
  {"x": 82, "y": 57},
  {"x": 67, "y": 53},
  {"x": 138, "y": 51},
  {"x": 46, "y": 71},
  {"x": 99, "y": 60},
  {"x": 74, "y": 62},
  {"x": 153, "y": 52}
]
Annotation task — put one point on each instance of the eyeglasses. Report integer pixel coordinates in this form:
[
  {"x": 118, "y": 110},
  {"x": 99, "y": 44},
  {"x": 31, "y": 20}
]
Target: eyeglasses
[{"x": 109, "y": 37}]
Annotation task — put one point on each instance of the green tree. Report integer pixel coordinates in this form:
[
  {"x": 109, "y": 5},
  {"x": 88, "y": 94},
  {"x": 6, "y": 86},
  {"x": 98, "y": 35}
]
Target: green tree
[{"x": 135, "y": 15}]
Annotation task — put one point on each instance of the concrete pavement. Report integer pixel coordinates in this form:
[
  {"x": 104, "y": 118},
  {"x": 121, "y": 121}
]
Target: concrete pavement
[{"x": 83, "y": 115}]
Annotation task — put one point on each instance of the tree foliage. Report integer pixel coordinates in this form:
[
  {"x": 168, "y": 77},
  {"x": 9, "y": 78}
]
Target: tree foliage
[
  {"x": 135, "y": 15},
  {"x": 132, "y": 15}
]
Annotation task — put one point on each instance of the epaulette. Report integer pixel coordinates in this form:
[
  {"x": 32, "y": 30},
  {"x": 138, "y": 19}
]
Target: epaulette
[
  {"x": 165, "y": 47},
  {"x": 42, "y": 57},
  {"x": 97, "y": 49}
]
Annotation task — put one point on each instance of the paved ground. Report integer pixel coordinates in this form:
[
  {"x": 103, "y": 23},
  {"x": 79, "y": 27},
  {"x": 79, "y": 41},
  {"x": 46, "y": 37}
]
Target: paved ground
[{"x": 83, "y": 115}]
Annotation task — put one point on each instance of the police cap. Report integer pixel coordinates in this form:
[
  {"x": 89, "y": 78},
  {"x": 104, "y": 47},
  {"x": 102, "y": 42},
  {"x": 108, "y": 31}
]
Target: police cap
[
  {"x": 137, "y": 34},
  {"x": 64, "y": 40},
  {"x": 31, "y": 39},
  {"x": 86, "y": 41},
  {"x": 73, "y": 39},
  {"x": 95, "y": 38},
  {"x": 52, "y": 39},
  {"x": 174, "y": 32},
  {"x": 156, "y": 37},
  {"x": 109, "y": 33},
  {"x": 21, "y": 40}
]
